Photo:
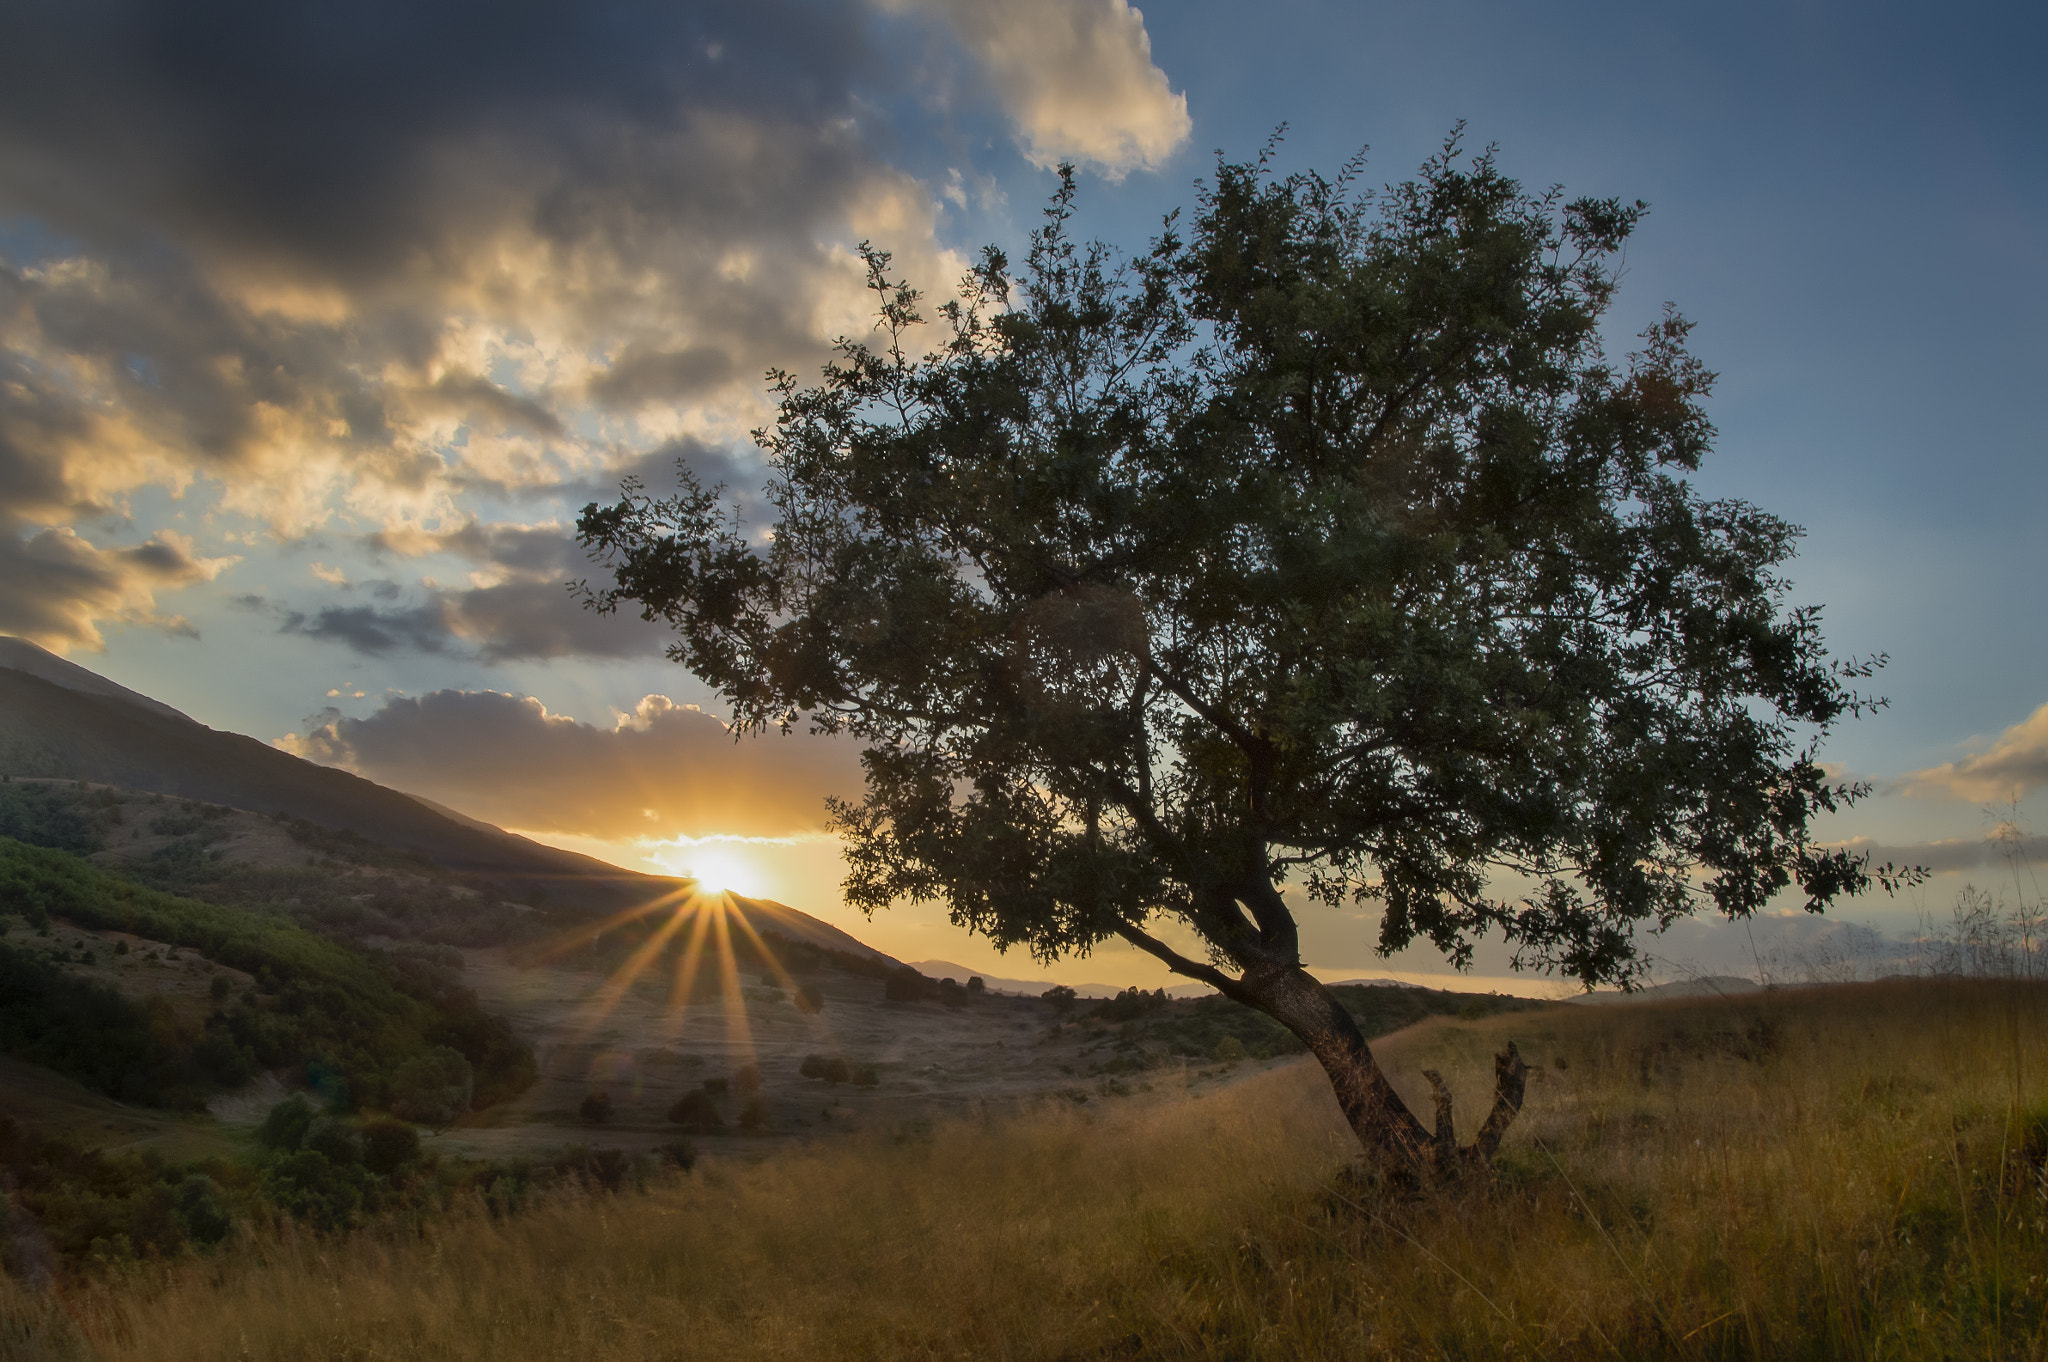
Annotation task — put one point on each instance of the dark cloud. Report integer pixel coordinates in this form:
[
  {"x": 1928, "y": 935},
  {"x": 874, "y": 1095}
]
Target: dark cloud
[
  {"x": 469, "y": 393},
  {"x": 639, "y": 377},
  {"x": 324, "y": 134},
  {"x": 1958, "y": 855},
  {"x": 665, "y": 770},
  {"x": 526, "y": 620},
  {"x": 278, "y": 242},
  {"x": 366, "y": 629},
  {"x": 526, "y": 548},
  {"x": 369, "y": 260},
  {"x": 540, "y": 620},
  {"x": 54, "y": 585},
  {"x": 741, "y": 473}
]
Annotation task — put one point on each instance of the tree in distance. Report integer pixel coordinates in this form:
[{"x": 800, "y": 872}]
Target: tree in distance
[
  {"x": 1317, "y": 555},
  {"x": 810, "y": 999},
  {"x": 595, "y": 1108},
  {"x": 695, "y": 1108}
]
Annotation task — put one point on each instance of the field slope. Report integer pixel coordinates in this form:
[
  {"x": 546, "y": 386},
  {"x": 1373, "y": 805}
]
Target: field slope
[{"x": 1854, "y": 1172}]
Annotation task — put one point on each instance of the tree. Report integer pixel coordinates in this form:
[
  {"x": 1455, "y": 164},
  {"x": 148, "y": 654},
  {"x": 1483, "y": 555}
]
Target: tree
[
  {"x": 695, "y": 1108},
  {"x": 433, "y": 1088},
  {"x": 1318, "y": 555}
]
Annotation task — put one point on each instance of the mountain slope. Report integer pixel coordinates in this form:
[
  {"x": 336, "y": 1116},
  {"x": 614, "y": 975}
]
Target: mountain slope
[
  {"x": 79, "y": 726},
  {"x": 18, "y": 654}
]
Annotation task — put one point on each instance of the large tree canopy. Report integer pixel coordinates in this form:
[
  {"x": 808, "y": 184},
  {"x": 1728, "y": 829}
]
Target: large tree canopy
[{"x": 1321, "y": 546}]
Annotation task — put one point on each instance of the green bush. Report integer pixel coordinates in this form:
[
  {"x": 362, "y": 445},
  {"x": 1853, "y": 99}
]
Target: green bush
[
  {"x": 286, "y": 1124},
  {"x": 389, "y": 1145},
  {"x": 340, "y": 1141},
  {"x": 203, "y": 1209},
  {"x": 434, "y": 1088},
  {"x": 309, "y": 1186}
]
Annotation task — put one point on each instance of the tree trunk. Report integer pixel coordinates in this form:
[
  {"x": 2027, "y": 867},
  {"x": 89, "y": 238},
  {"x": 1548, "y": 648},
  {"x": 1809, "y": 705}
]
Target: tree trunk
[{"x": 1391, "y": 1134}]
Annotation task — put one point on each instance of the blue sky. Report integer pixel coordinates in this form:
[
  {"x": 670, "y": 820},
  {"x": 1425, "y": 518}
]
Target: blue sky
[{"x": 320, "y": 324}]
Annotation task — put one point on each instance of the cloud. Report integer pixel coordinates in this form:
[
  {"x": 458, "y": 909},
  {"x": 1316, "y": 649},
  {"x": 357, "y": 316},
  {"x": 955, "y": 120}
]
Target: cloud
[
  {"x": 2016, "y": 763},
  {"x": 378, "y": 265},
  {"x": 54, "y": 585},
  {"x": 523, "y": 620},
  {"x": 1076, "y": 76},
  {"x": 1956, "y": 854},
  {"x": 664, "y": 770},
  {"x": 367, "y": 264}
]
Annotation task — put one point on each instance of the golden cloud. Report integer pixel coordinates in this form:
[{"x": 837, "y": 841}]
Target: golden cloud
[
  {"x": 1076, "y": 76},
  {"x": 2016, "y": 763}
]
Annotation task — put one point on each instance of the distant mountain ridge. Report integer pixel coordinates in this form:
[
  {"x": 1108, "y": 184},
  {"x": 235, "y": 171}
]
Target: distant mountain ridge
[{"x": 60, "y": 720}]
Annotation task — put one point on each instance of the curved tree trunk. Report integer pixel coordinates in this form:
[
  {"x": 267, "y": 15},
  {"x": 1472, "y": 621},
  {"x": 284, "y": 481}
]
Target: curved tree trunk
[{"x": 1391, "y": 1134}]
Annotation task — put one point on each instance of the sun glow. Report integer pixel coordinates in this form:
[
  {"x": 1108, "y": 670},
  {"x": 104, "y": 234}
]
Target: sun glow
[
  {"x": 716, "y": 870},
  {"x": 681, "y": 928}
]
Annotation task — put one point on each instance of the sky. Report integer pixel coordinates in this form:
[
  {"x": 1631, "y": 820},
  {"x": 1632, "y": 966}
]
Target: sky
[{"x": 318, "y": 326}]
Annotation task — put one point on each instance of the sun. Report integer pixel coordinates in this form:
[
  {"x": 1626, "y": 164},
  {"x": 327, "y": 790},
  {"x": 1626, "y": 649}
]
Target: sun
[{"x": 718, "y": 871}]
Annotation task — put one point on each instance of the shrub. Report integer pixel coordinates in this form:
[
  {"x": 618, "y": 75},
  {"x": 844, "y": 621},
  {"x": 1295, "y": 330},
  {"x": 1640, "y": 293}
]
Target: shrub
[
  {"x": 866, "y": 1076},
  {"x": 717, "y": 1085},
  {"x": 389, "y": 1145},
  {"x": 337, "y": 1139},
  {"x": 746, "y": 1080},
  {"x": 311, "y": 1187},
  {"x": 1061, "y": 997},
  {"x": 433, "y": 1088},
  {"x": 976, "y": 985},
  {"x": 906, "y": 986},
  {"x": 596, "y": 1108},
  {"x": 813, "y": 1066},
  {"x": 836, "y": 1071},
  {"x": 695, "y": 1108},
  {"x": 285, "y": 1125},
  {"x": 810, "y": 1000},
  {"x": 1229, "y": 1050},
  {"x": 754, "y": 1114},
  {"x": 1131, "y": 1004},
  {"x": 202, "y": 1209}
]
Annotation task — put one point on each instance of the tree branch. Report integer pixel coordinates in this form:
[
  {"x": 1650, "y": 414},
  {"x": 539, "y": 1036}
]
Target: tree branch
[
  {"x": 1180, "y": 964},
  {"x": 1231, "y": 728}
]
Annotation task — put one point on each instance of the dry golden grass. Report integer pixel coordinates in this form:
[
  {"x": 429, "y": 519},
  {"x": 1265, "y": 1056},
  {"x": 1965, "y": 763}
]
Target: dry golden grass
[{"x": 1845, "y": 1173}]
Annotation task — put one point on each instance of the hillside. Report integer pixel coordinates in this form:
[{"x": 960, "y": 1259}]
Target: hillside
[
  {"x": 1851, "y": 1172},
  {"x": 58, "y": 720}
]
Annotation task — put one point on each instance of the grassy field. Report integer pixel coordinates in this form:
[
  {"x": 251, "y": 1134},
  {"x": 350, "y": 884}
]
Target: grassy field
[{"x": 1854, "y": 1172}]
